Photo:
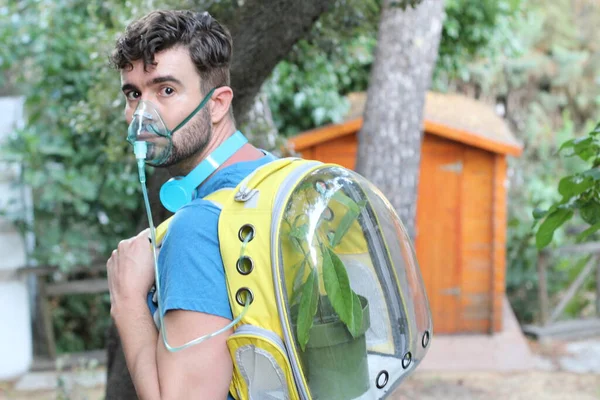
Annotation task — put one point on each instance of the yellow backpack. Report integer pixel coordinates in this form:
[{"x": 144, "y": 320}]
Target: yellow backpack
[{"x": 337, "y": 304}]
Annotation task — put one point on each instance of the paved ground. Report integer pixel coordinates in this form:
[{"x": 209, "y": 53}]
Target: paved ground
[
  {"x": 495, "y": 386},
  {"x": 504, "y": 366},
  {"x": 425, "y": 385}
]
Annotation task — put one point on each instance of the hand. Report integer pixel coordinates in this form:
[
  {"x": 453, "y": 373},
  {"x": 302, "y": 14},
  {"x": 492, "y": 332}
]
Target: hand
[{"x": 131, "y": 270}]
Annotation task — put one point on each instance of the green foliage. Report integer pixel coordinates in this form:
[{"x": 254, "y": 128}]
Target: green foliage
[
  {"x": 338, "y": 293},
  {"x": 80, "y": 322},
  {"x": 404, "y": 4},
  {"x": 307, "y": 89},
  {"x": 532, "y": 190},
  {"x": 580, "y": 191},
  {"x": 76, "y": 162},
  {"x": 307, "y": 308},
  {"x": 540, "y": 67},
  {"x": 522, "y": 278},
  {"x": 75, "y": 159},
  {"x": 473, "y": 30},
  {"x": 342, "y": 297},
  {"x": 314, "y": 103}
]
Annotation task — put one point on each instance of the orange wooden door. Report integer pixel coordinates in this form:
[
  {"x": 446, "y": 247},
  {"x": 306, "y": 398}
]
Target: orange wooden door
[
  {"x": 340, "y": 151},
  {"x": 437, "y": 240}
]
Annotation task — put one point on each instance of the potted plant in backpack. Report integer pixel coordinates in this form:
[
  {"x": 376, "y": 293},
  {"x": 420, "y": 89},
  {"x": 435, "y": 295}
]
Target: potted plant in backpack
[{"x": 330, "y": 318}]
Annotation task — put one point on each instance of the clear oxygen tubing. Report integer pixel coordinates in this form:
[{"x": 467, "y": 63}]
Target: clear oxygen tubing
[{"x": 140, "y": 148}]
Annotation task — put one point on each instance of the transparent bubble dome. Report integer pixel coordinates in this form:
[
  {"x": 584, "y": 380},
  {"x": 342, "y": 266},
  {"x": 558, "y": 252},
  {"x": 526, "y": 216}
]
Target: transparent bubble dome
[{"x": 358, "y": 313}]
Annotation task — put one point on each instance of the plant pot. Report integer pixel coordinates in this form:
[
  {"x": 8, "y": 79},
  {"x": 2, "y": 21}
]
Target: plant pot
[{"x": 334, "y": 362}]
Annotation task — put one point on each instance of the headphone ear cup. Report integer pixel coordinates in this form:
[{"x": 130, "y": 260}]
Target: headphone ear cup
[{"x": 174, "y": 194}]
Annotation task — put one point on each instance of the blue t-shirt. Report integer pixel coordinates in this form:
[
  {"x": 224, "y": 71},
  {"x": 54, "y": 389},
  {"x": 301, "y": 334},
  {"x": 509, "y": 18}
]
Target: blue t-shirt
[{"x": 190, "y": 267}]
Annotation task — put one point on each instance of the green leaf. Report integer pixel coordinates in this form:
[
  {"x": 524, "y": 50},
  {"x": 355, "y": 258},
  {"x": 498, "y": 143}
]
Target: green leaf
[
  {"x": 594, "y": 173},
  {"x": 592, "y": 229},
  {"x": 307, "y": 308},
  {"x": 297, "y": 244},
  {"x": 573, "y": 185},
  {"x": 582, "y": 142},
  {"x": 298, "y": 235},
  {"x": 340, "y": 197},
  {"x": 590, "y": 212},
  {"x": 555, "y": 219},
  {"x": 566, "y": 145},
  {"x": 345, "y": 224},
  {"x": 596, "y": 130},
  {"x": 337, "y": 286},
  {"x": 300, "y": 268},
  {"x": 299, "y": 232},
  {"x": 584, "y": 147},
  {"x": 538, "y": 213},
  {"x": 343, "y": 227}
]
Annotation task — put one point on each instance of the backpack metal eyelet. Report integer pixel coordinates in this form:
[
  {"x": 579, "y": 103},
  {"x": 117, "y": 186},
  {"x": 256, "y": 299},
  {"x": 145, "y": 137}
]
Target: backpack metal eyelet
[
  {"x": 246, "y": 231},
  {"x": 406, "y": 360},
  {"x": 241, "y": 295},
  {"x": 244, "y": 265},
  {"x": 425, "y": 340},
  {"x": 382, "y": 379}
]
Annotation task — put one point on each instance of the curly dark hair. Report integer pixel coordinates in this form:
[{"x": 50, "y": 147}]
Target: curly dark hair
[{"x": 208, "y": 42}]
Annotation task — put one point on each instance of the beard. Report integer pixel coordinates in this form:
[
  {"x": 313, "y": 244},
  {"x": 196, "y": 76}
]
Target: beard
[{"x": 191, "y": 139}]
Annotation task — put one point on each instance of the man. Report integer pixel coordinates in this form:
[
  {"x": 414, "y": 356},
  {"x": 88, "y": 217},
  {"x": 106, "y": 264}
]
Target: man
[{"x": 173, "y": 59}]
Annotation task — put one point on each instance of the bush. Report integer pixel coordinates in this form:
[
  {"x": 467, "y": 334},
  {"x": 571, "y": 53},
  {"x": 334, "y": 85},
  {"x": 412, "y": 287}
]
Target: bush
[{"x": 76, "y": 161}]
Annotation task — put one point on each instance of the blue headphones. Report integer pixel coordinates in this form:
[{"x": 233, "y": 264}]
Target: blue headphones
[{"x": 178, "y": 191}]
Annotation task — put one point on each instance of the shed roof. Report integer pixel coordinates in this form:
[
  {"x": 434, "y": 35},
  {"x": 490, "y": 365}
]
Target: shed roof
[{"x": 450, "y": 116}]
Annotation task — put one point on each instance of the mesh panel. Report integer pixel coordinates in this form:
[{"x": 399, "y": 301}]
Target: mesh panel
[{"x": 262, "y": 374}]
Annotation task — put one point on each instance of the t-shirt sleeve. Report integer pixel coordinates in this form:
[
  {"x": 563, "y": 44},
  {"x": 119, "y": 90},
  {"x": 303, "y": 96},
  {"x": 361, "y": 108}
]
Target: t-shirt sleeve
[{"x": 190, "y": 266}]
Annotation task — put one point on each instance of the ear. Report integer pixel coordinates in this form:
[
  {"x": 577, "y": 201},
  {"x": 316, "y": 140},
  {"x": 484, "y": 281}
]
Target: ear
[{"x": 221, "y": 102}]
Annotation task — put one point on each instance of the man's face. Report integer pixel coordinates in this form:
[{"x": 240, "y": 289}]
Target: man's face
[{"x": 173, "y": 86}]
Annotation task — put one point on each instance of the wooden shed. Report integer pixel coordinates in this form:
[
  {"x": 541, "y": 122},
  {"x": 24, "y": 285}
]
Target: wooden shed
[{"x": 461, "y": 210}]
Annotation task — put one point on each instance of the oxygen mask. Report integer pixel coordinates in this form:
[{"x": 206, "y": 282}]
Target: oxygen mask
[{"x": 149, "y": 134}]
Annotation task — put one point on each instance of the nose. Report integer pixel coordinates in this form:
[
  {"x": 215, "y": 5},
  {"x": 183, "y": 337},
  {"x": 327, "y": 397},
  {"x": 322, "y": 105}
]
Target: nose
[{"x": 142, "y": 114}]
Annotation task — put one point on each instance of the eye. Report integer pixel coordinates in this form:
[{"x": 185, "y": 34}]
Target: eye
[
  {"x": 133, "y": 95},
  {"x": 167, "y": 91}
]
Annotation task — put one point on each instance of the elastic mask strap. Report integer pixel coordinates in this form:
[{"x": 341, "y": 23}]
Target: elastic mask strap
[{"x": 202, "y": 104}]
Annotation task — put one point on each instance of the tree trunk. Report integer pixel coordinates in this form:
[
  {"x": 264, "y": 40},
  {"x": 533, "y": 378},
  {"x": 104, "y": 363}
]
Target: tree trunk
[
  {"x": 263, "y": 31},
  {"x": 389, "y": 150}
]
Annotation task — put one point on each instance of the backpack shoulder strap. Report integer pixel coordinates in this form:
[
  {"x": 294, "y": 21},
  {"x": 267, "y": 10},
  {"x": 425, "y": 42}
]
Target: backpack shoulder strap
[
  {"x": 218, "y": 198},
  {"x": 246, "y": 187},
  {"x": 161, "y": 230}
]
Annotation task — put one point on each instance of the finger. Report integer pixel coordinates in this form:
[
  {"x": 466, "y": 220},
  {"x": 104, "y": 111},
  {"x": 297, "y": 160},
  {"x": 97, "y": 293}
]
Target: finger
[
  {"x": 112, "y": 255},
  {"x": 145, "y": 235}
]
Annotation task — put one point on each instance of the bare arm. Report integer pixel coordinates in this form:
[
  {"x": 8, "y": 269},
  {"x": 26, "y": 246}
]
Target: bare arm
[
  {"x": 200, "y": 371},
  {"x": 205, "y": 368},
  {"x": 138, "y": 337}
]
